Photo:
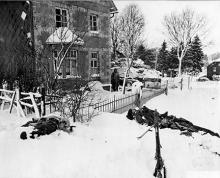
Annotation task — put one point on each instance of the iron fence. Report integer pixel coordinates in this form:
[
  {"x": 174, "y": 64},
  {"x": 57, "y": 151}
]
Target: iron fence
[
  {"x": 124, "y": 103},
  {"x": 117, "y": 104}
]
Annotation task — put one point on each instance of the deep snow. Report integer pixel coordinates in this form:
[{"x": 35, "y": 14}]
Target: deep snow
[{"x": 107, "y": 147}]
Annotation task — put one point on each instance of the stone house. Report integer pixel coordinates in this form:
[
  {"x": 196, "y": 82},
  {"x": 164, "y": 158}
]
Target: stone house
[{"x": 81, "y": 30}]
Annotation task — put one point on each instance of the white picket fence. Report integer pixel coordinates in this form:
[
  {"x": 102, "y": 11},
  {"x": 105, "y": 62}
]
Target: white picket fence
[{"x": 21, "y": 101}]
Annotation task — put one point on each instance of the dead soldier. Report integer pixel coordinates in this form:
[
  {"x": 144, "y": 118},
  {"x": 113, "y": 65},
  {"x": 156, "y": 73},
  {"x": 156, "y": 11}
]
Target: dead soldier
[{"x": 46, "y": 126}]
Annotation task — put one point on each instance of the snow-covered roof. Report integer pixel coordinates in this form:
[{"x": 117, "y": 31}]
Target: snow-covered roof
[
  {"x": 64, "y": 35},
  {"x": 216, "y": 60}
]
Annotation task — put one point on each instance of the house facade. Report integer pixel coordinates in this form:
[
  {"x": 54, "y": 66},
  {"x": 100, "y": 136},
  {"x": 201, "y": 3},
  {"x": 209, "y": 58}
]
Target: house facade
[
  {"x": 78, "y": 32},
  {"x": 213, "y": 69}
]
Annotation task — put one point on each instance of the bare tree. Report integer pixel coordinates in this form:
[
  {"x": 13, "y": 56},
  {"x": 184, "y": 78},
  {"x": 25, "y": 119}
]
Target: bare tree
[
  {"x": 181, "y": 28},
  {"x": 115, "y": 35},
  {"x": 67, "y": 38},
  {"x": 132, "y": 25}
]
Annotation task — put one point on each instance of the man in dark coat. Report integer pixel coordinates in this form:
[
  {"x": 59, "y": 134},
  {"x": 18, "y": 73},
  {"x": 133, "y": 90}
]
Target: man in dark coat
[{"x": 115, "y": 80}]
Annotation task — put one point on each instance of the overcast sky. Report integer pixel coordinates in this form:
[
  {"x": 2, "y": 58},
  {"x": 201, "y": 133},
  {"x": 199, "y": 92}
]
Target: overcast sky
[{"x": 154, "y": 12}]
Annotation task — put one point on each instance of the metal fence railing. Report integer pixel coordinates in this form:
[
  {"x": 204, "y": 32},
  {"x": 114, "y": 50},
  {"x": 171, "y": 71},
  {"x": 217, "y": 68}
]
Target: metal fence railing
[
  {"x": 117, "y": 104},
  {"x": 124, "y": 103}
]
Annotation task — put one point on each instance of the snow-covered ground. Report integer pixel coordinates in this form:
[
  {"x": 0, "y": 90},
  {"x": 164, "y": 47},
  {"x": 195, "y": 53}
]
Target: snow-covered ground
[{"x": 107, "y": 147}]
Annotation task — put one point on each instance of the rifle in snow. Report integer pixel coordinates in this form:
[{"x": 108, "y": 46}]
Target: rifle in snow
[{"x": 159, "y": 165}]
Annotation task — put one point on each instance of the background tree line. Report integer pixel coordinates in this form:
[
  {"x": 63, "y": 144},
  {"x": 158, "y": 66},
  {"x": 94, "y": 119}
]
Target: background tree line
[
  {"x": 192, "y": 62},
  {"x": 165, "y": 60},
  {"x": 183, "y": 32}
]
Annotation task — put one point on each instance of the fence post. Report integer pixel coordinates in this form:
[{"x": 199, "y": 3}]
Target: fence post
[
  {"x": 17, "y": 93},
  {"x": 189, "y": 82},
  {"x": 181, "y": 83},
  {"x": 12, "y": 102},
  {"x": 36, "y": 109},
  {"x": 43, "y": 106},
  {"x": 50, "y": 104},
  {"x": 2, "y": 104},
  {"x": 19, "y": 108},
  {"x": 166, "y": 89},
  {"x": 114, "y": 103}
]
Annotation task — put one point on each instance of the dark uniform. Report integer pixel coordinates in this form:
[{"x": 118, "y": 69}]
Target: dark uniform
[
  {"x": 46, "y": 126},
  {"x": 115, "y": 80}
]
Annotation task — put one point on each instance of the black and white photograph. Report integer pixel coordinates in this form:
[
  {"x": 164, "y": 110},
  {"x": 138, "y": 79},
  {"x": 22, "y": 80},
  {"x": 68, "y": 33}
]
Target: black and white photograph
[{"x": 109, "y": 89}]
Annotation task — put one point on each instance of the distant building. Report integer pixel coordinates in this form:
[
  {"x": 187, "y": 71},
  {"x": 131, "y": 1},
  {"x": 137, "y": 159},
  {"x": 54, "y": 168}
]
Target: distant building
[{"x": 213, "y": 69}]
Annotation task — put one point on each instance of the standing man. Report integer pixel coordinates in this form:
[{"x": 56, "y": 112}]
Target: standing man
[
  {"x": 115, "y": 80},
  {"x": 137, "y": 90}
]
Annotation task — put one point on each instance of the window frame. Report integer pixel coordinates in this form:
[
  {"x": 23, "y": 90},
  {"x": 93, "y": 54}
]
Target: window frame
[
  {"x": 94, "y": 60},
  {"x": 92, "y": 27},
  {"x": 72, "y": 59},
  {"x": 61, "y": 21}
]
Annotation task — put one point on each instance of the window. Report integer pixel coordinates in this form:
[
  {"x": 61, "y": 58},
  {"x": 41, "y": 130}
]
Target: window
[
  {"x": 73, "y": 54},
  {"x": 55, "y": 54},
  {"x": 67, "y": 66},
  {"x": 94, "y": 60},
  {"x": 61, "y": 18},
  {"x": 71, "y": 65},
  {"x": 93, "y": 22}
]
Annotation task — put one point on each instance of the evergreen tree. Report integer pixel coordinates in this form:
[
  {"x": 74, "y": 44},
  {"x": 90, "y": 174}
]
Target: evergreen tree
[
  {"x": 193, "y": 61},
  {"x": 162, "y": 59},
  {"x": 147, "y": 55},
  {"x": 172, "y": 61},
  {"x": 150, "y": 57},
  {"x": 198, "y": 54},
  {"x": 140, "y": 53}
]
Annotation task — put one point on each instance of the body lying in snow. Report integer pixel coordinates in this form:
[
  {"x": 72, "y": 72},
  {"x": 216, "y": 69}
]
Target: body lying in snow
[
  {"x": 147, "y": 116},
  {"x": 46, "y": 126}
]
